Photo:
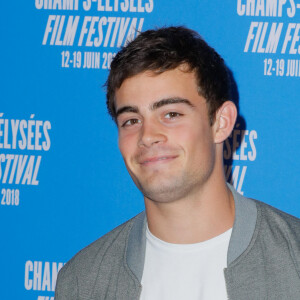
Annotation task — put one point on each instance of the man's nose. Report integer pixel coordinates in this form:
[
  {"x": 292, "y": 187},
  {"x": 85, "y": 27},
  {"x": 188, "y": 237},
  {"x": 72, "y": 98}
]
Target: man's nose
[{"x": 151, "y": 133}]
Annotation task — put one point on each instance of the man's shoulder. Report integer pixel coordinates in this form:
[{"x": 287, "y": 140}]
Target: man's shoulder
[
  {"x": 278, "y": 226},
  {"x": 116, "y": 238},
  {"x": 102, "y": 253},
  {"x": 277, "y": 217}
]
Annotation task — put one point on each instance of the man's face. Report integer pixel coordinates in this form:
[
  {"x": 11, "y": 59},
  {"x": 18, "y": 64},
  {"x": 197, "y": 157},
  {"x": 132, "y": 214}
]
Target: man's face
[{"x": 164, "y": 134}]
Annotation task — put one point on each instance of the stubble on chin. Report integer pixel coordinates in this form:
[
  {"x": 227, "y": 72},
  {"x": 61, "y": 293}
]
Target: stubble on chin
[{"x": 163, "y": 188}]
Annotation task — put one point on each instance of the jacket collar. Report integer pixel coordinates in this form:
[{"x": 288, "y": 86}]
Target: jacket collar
[
  {"x": 242, "y": 232},
  {"x": 243, "y": 227}
]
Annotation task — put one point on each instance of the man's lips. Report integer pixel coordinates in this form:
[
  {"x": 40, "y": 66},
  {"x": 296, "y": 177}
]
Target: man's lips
[{"x": 157, "y": 159}]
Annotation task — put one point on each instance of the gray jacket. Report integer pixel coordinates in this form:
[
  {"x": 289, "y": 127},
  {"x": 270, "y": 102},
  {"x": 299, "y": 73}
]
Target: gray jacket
[{"x": 263, "y": 259}]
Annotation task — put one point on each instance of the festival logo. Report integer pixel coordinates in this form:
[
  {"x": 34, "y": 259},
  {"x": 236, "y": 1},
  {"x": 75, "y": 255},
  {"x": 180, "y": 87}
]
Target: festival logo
[
  {"x": 274, "y": 33},
  {"x": 22, "y": 143},
  {"x": 90, "y": 38}
]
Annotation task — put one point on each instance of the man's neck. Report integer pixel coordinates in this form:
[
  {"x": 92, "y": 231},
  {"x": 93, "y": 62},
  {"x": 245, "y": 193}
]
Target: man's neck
[{"x": 194, "y": 219}]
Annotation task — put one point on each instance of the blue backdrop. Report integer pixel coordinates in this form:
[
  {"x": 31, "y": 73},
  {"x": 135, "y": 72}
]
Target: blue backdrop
[{"x": 63, "y": 181}]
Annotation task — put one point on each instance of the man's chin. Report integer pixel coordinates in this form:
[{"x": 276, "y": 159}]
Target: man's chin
[
  {"x": 155, "y": 181},
  {"x": 159, "y": 190}
]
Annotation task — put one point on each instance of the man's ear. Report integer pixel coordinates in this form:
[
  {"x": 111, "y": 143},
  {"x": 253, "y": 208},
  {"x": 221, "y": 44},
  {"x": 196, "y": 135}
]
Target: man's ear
[{"x": 224, "y": 122}]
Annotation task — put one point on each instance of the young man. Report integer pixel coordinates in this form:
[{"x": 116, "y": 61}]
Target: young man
[{"x": 168, "y": 92}]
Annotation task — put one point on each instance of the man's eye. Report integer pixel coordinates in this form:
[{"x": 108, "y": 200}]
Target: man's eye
[
  {"x": 131, "y": 122},
  {"x": 172, "y": 115}
]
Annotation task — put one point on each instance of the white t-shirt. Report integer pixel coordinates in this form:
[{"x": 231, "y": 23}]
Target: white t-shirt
[{"x": 185, "y": 271}]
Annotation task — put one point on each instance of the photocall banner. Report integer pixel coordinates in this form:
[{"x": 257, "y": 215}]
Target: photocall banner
[{"x": 62, "y": 179}]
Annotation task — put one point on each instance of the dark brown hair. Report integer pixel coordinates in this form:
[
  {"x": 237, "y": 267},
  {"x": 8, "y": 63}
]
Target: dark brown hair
[{"x": 166, "y": 49}]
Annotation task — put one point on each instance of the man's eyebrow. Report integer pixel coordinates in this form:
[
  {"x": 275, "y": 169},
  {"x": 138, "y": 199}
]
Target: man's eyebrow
[
  {"x": 172, "y": 100},
  {"x": 155, "y": 105},
  {"x": 126, "y": 109}
]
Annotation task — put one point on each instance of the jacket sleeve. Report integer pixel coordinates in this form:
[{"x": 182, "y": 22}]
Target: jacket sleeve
[{"x": 66, "y": 284}]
